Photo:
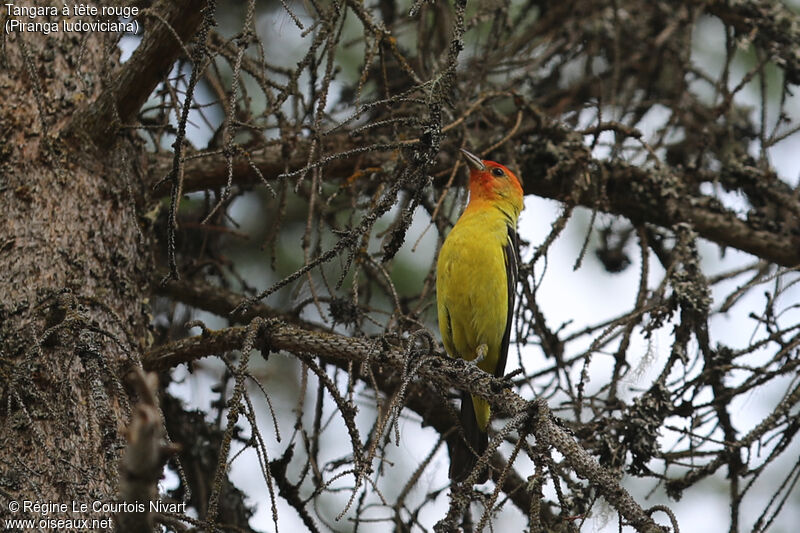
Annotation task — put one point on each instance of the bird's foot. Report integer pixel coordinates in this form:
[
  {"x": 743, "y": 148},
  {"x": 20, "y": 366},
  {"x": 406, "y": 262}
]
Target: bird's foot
[{"x": 480, "y": 353}]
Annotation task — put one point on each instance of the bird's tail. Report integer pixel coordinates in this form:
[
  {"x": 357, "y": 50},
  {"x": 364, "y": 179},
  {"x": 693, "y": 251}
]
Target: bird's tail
[{"x": 462, "y": 458}]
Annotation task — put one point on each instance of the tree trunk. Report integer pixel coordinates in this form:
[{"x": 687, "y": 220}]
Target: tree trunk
[{"x": 72, "y": 263}]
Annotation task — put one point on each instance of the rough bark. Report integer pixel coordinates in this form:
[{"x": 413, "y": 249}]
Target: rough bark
[{"x": 73, "y": 261}]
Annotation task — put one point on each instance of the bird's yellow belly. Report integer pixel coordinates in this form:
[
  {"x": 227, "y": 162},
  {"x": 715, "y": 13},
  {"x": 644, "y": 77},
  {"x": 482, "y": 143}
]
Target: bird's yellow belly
[{"x": 473, "y": 290}]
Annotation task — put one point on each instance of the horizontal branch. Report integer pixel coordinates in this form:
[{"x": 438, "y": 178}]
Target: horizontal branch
[
  {"x": 558, "y": 166},
  {"x": 649, "y": 195},
  {"x": 435, "y": 371},
  {"x": 425, "y": 402},
  {"x": 219, "y": 301},
  {"x": 209, "y": 172}
]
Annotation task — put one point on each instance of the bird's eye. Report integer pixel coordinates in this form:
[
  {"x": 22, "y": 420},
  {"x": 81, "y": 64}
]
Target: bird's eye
[{"x": 497, "y": 171}]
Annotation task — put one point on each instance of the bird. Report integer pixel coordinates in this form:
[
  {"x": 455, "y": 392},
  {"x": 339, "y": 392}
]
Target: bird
[{"x": 476, "y": 276}]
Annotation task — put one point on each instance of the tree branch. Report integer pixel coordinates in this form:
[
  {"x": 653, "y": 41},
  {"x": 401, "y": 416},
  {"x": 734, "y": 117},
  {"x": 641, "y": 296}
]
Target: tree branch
[
  {"x": 771, "y": 24},
  {"x": 436, "y": 371},
  {"x": 655, "y": 196},
  {"x": 419, "y": 398},
  {"x": 173, "y": 23},
  {"x": 557, "y": 166},
  {"x": 209, "y": 172},
  {"x": 144, "y": 457},
  {"x": 219, "y": 301}
]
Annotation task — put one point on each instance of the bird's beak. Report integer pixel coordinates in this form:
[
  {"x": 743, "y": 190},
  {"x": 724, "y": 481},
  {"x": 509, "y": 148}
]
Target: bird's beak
[{"x": 473, "y": 160}]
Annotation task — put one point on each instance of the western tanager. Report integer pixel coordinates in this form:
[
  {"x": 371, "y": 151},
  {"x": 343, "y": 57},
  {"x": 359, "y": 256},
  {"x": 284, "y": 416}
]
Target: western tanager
[{"x": 476, "y": 279}]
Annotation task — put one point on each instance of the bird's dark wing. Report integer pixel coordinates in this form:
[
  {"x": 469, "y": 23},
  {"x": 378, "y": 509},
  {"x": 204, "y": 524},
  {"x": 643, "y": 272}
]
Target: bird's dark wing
[{"x": 511, "y": 253}]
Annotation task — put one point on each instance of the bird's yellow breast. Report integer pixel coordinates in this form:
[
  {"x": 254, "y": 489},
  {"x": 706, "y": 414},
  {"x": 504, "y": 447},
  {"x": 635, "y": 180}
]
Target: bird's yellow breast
[{"x": 472, "y": 289}]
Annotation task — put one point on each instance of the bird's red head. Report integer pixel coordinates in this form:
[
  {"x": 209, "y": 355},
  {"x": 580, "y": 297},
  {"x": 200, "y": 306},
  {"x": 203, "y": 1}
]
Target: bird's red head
[{"x": 493, "y": 182}]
